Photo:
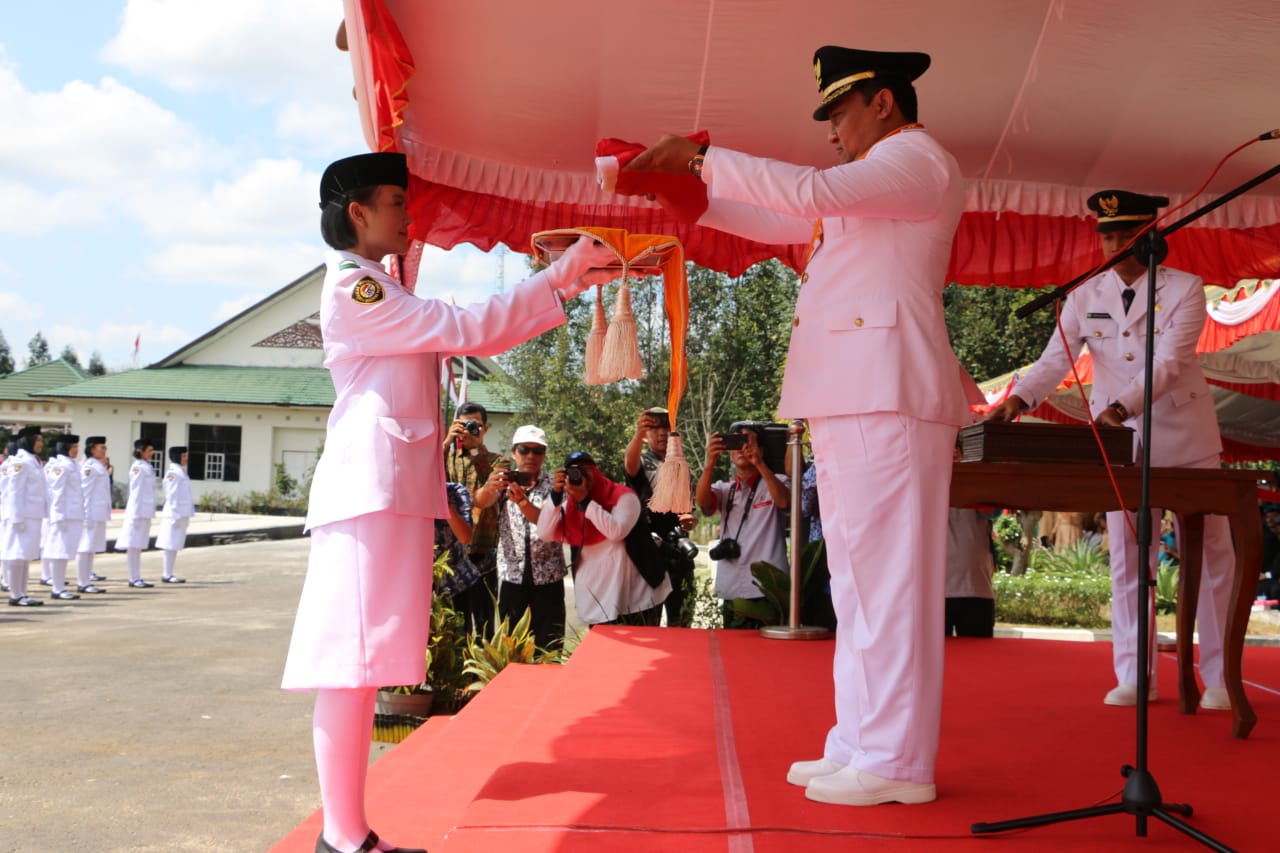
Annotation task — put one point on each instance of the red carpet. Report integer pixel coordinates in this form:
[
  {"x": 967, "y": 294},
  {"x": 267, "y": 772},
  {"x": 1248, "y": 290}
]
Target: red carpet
[{"x": 667, "y": 739}]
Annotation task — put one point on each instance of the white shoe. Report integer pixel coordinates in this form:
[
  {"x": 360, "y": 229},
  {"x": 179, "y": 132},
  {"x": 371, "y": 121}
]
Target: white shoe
[
  {"x": 1215, "y": 699},
  {"x": 854, "y": 787},
  {"x": 1127, "y": 694},
  {"x": 804, "y": 772}
]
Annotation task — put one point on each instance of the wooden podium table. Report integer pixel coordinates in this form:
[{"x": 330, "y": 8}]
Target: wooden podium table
[{"x": 1190, "y": 493}]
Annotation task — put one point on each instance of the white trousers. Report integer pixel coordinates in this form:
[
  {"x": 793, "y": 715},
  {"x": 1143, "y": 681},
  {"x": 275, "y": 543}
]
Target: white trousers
[
  {"x": 884, "y": 483},
  {"x": 1217, "y": 568}
]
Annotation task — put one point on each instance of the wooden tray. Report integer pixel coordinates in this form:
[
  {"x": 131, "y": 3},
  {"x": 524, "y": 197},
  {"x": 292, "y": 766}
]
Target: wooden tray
[{"x": 1032, "y": 442}]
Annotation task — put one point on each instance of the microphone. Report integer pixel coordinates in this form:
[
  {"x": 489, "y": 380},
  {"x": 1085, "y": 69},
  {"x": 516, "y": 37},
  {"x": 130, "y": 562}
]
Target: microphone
[{"x": 1270, "y": 134}]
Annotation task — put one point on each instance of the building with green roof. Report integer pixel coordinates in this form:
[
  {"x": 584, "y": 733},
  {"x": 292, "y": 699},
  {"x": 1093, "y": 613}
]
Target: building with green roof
[{"x": 19, "y": 405}]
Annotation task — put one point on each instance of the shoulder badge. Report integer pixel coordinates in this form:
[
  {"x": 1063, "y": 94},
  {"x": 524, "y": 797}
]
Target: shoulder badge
[
  {"x": 133, "y": 472},
  {"x": 87, "y": 472},
  {"x": 170, "y": 477},
  {"x": 367, "y": 291},
  {"x": 347, "y": 264},
  {"x": 57, "y": 472},
  {"x": 17, "y": 466}
]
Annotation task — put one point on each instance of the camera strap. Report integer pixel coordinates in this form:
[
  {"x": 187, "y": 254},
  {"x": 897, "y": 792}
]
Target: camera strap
[{"x": 728, "y": 508}]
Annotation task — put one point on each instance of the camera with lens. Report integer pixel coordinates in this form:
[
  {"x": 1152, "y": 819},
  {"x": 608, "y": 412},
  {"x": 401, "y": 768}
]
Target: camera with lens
[
  {"x": 726, "y": 549},
  {"x": 574, "y": 475},
  {"x": 472, "y": 427}
]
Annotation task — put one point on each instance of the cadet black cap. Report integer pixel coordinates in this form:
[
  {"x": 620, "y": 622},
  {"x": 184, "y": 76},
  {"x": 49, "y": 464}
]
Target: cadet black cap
[
  {"x": 1120, "y": 210},
  {"x": 93, "y": 441},
  {"x": 175, "y": 454},
  {"x": 143, "y": 444},
  {"x": 363, "y": 170},
  {"x": 839, "y": 69},
  {"x": 29, "y": 432}
]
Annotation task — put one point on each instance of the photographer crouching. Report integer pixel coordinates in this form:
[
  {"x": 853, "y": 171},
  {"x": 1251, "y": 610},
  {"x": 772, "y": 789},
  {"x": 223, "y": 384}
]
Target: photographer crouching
[
  {"x": 752, "y": 507},
  {"x": 645, "y": 454},
  {"x": 593, "y": 515}
]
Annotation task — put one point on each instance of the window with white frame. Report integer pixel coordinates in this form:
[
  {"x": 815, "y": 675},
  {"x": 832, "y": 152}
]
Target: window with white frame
[
  {"x": 213, "y": 452},
  {"x": 214, "y": 465}
]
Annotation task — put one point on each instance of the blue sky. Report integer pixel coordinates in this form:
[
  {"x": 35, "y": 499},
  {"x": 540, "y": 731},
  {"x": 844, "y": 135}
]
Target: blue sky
[{"x": 159, "y": 163}]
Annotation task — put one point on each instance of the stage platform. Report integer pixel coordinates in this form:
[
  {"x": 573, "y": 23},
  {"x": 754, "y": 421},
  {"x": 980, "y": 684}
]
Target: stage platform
[{"x": 659, "y": 739}]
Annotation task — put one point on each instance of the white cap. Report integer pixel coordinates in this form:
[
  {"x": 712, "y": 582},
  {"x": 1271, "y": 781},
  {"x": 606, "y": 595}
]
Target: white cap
[{"x": 529, "y": 434}]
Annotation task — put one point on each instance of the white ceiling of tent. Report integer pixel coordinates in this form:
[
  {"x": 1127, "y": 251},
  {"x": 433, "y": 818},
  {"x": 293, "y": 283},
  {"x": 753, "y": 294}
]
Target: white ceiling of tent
[{"x": 1146, "y": 94}]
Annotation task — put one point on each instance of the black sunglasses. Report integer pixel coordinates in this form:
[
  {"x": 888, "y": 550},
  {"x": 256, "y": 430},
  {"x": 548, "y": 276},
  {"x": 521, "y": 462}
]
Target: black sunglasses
[{"x": 535, "y": 449}]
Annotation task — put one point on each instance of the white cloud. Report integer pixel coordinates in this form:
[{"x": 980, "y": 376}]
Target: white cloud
[
  {"x": 18, "y": 311},
  {"x": 237, "y": 265},
  {"x": 251, "y": 49},
  {"x": 327, "y": 128},
  {"x": 232, "y": 307}
]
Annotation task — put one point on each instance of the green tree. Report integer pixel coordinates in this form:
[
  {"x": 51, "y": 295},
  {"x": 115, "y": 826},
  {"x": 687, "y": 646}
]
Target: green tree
[
  {"x": 6, "y": 357},
  {"x": 96, "y": 367},
  {"x": 69, "y": 355},
  {"x": 736, "y": 347},
  {"x": 987, "y": 338},
  {"x": 38, "y": 351}
]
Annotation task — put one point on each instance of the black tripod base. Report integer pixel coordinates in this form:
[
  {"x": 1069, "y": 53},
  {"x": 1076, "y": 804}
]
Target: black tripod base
[{"x": 1141, "y": 799}]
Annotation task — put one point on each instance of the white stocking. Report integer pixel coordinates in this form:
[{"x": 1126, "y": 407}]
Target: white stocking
[
  {"x": 46, "y": 569},
  {"x": 133, "y": 556},
  {"x": 58, "y": 572},
  {"x": 18, "y": 570},
  {"x": 342, "y": 730},
  {"x": 170, "y": 557},
  {"x": 84, "y": 567}
]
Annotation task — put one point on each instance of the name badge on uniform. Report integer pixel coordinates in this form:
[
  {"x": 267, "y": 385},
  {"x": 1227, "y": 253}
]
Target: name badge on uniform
[{"x": 1098, "y": 315}]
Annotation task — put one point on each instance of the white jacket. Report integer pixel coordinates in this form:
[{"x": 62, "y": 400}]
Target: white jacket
[
  {"x": 66, "y": 493},
  {"x": 142, "y": 491},
  {"x": 25, "y": 496},
  {"x": 177, "y": 493},
  {"x": 96, "y": 489}
]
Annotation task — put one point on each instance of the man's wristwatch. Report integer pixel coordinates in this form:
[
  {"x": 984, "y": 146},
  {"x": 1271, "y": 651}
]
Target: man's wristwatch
[
  {"x": 695, "y": 163},
  {"x": 1120, "y": 410}
]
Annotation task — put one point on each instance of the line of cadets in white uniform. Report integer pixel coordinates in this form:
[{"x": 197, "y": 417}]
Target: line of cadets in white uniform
[{"x": 57, "y": 511}]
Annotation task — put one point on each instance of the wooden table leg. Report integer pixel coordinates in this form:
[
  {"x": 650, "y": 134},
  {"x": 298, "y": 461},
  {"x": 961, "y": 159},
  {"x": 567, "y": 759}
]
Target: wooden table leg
[
  {"x": 1191, "y": 549},
  {"x": 1247, "y": 532}
]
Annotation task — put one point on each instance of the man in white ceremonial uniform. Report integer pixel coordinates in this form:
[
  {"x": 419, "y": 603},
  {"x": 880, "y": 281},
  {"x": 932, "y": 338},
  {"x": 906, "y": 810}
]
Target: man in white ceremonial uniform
[
  {"x": 139, "y": 510},
  {"x": 25, "y": 503},
  {"x": 880, "y": 224},
  {"x": 96, "y": 488},
  {"x": 1109, "y": 312},
  {"x": 364, "y": 615},
  {"x": 66, "y": 513},
  {"x": 178, "y": 509}
]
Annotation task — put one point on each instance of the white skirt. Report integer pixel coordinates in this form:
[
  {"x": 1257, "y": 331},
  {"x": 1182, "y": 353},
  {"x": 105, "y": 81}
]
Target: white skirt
[
  {"x": 136, "y": 533},
  {"x": 173, "y": 533},
  {"x": 61, "y": 544},
  {"x": 24, "y": 545},
  {"x": 93, "y": 539},
  {"x": 365, "y": 613}
]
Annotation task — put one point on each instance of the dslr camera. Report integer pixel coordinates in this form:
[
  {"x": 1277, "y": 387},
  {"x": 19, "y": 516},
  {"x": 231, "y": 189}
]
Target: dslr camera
[
  {"x": 472, "y": 427},
  {"x": 726, "y": 549},
  {"x": 574, "y": 475}
]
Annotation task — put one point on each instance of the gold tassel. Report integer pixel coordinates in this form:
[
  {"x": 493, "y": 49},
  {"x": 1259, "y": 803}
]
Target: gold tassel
[
  {"x": 595, "y": 342},
  {"x": 621, "y": 356},
  {"x": 671, "y": 491}
]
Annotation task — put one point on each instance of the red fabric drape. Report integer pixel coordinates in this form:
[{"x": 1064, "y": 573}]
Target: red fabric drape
[{"x": 392, "y": 67}]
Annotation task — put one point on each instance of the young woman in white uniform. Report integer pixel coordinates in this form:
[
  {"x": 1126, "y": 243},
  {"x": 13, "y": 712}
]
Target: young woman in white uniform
[
  {"x": 178, "y": 509},
  {"x": 363, "y": 619},
  {"x": 135, "y": 534},
  {"x": 66, "y": 513},
  {"x": 96, "y": 482}
]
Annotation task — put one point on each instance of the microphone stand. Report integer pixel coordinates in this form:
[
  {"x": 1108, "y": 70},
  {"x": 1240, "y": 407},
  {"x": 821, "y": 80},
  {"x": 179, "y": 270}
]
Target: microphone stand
[{"x": 1141, "y": 797}]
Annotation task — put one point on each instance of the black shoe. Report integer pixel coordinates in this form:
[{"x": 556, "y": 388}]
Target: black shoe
[
  {"x": 370, "y": 843},
  {"x": 140, "y": 584},
  {"x": 65, "y": 595},
  {"x": 25, "y": 601},
  {"x": 95, "y": 578},
  {"x": 173, "y": 579},
  {"x": 89, "y": 588},
  {"x": 46, "y": 582}
]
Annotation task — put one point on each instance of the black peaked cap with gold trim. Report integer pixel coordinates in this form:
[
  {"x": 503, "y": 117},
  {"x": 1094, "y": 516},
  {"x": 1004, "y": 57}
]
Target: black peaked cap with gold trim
[
  {"x": 1120, "y": 210},
  {"x": 839, "y": 69},
  {"x": 363, "y": 170}
]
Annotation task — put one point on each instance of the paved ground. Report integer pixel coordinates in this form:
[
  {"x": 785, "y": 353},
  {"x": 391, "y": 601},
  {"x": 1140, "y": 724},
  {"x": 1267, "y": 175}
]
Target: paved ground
[{"x": 151, "y": 720}]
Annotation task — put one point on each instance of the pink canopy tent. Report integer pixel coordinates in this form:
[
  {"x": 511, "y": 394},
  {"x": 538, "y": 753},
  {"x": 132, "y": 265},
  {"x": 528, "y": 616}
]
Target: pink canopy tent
[
  {"x": 1239, "y": 351},
  {"x": 499, "y": 105}
]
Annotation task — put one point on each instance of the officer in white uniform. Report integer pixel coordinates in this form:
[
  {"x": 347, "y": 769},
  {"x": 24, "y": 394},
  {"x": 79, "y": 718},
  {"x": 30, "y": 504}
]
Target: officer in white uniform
[
  {"x": 363, "y": 619},
  {"x": 25, "y": 503},
  {"x": 880, "y": 224},
  {"x": 96, "y": 488},
  {"x": 1108, "y": 312},
  {"x": 178, "y": 509},
  {"x": 135, "y": 533},
  {"x": 66, "y": 513},
  {"x": 10, "y": 449}
]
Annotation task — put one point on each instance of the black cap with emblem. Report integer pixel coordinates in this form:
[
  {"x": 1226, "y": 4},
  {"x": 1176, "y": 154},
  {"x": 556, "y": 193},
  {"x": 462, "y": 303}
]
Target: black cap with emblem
[
  {"x": 93, "y": 441},
  {"x": 839, "y": 69},
  {"x": 1120, "y": 210},
  {"x": 63, "y": 444},
  {"x": 363, "y": 170},
  {"x": 175, "y": 454}
]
